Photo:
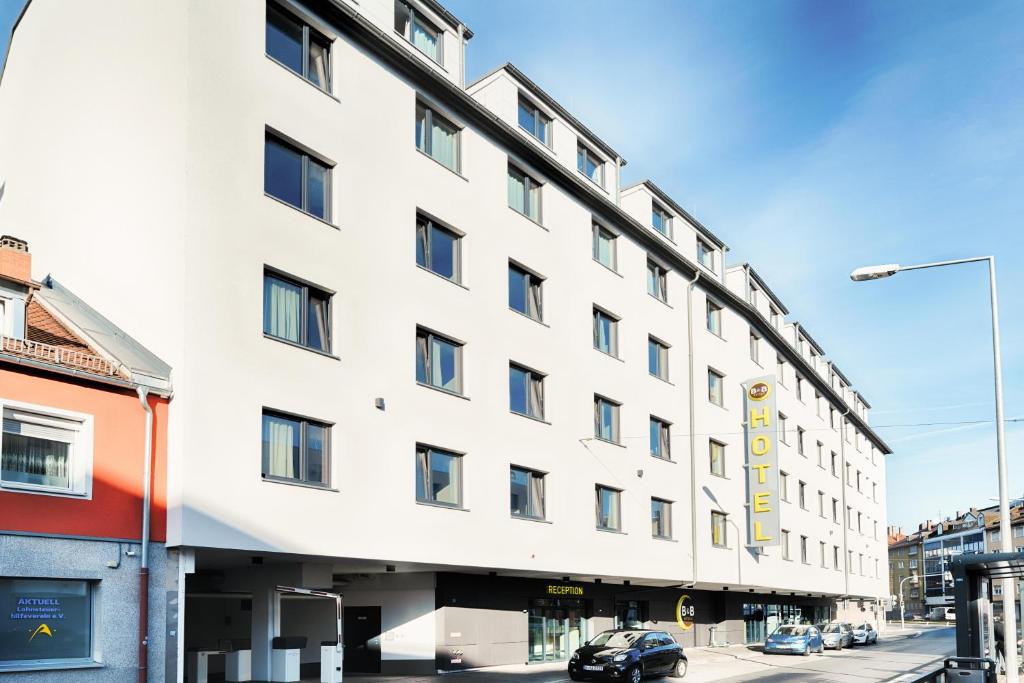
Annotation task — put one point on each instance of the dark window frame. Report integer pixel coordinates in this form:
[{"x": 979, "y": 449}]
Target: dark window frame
[
  {"x": 307, "y": 288},
  {"x": 304, "y": 423},
  {"x": 307, "y": 158},
  {"x": 531, "y": 504},
  {"x": 310, "y": 36}
]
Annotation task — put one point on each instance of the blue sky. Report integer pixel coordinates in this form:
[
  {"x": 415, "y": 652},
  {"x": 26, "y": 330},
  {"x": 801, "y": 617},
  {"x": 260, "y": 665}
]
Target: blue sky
[{"x": 815, "y": 137}]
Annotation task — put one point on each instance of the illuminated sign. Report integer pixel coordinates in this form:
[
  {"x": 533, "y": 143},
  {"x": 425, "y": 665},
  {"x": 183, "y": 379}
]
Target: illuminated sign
[
  {"x": 562, "y": 589},
  {"x": 762, "y": 461},
  {"x": 685, "y": 612}
]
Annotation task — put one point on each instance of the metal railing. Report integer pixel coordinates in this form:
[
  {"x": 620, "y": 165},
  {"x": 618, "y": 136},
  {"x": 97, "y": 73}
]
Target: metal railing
[{"x": 48, "y": 353}]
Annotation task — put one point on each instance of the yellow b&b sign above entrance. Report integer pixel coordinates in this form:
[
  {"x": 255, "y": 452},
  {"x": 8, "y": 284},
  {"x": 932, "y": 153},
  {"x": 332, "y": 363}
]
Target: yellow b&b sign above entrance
[{"x": 762, "y": 461}]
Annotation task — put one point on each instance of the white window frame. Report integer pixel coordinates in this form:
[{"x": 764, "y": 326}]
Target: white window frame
[{"x": 81, "y": 465}]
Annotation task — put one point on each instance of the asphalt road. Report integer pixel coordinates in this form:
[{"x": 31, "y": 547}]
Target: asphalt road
[{"x": 886, "y": 661}]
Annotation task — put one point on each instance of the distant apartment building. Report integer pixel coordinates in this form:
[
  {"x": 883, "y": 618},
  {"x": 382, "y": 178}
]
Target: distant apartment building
[
  {"x": 431, "y": 354},
  {"x": 76, "y": 396},
  {"x": 906, "y": 561},
  {"x": 962, "y": 534}
]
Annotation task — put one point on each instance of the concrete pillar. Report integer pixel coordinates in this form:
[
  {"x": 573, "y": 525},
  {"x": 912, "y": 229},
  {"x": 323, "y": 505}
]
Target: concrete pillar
[{"x": 266, "y": 625}]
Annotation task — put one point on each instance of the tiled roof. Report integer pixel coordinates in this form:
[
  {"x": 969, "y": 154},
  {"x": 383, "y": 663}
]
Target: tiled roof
[{"x": 49, "y": 341}]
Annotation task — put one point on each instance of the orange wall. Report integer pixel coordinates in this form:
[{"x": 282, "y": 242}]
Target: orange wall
[{"x": 119, "y": 425}]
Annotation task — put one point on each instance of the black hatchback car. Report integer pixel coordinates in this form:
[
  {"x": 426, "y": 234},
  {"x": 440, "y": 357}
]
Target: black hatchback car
[{"x": 628, "y": 655}]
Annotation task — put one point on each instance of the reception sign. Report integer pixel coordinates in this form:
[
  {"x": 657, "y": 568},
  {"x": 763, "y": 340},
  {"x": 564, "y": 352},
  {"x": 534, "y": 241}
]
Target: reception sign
[{"x": 762, "y": 461}]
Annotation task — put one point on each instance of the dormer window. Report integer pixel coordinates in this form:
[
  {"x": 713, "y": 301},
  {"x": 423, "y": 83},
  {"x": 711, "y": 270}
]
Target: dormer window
[
  {"x": 706, "y": 255},
  {"x": 774, "y": 316},
  {"x": 590, "y": 165},
  {"x": 753, "y": 296},
  {"x": 415, "y": 28},
  {"x": 661, "y": 220},
  {"x": 534, "y": 121}
]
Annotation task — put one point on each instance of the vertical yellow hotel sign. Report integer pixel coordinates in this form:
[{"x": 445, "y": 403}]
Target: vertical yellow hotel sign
[{"x": 762, "y": 461}]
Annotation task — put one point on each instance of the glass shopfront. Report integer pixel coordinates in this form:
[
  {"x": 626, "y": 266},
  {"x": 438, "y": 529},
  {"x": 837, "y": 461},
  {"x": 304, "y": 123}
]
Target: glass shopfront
[
  {"x": 760, "y": 621},
  {"x": 557, "y": 627},
  {"x": 631, "y": 613}
]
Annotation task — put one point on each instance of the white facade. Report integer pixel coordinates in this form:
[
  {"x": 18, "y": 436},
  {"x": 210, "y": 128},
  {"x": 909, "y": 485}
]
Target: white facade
[{"x": 133, "y": 152}]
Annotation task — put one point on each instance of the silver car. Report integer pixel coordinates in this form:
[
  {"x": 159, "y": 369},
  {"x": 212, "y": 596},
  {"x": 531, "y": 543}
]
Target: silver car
[{"x": 836, "y": 635}]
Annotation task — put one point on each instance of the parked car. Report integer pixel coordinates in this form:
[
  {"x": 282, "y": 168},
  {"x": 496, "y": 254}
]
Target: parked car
[
  {"x": 800, "y": 639},
  {"x": 865, "y": 634},
  {"x": 837, "y": 635},
  {"x": 628, "y": 655}
]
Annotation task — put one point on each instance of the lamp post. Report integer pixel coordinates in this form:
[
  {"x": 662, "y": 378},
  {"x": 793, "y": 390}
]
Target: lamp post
[
  {"x": 1006, "y": 543},
  {"x": 903, "y": 621}
]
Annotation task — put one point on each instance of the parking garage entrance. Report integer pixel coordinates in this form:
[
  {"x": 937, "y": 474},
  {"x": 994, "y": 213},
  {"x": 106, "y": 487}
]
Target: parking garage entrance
[{"x": 557, "y": 626}]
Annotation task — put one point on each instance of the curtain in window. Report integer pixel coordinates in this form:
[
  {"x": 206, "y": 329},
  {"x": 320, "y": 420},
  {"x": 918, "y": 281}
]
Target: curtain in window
[
  {"x": 317, "y": 334},
  {"x": 533, "y": 205},
  {"x": 536, "y": 397},
  {"x": 425, "y": 41},
  {"x": 422, "y": 474},
  {"x": 663, "y": 441},
  {"x": 282, "y": 305},
  {"x": 535, "y": 300},
  {"x": 516, "y": 191},
  {"x": 318, "y": 55},
  {"x": 537, "y": 495},
  {"x": 443, "y": 140},
  {"x": 613, "y": 509},
  {"x": 34, "y": 460},
  {"x": 282, "y": 437},
  {"x": 421, "y": 360}
]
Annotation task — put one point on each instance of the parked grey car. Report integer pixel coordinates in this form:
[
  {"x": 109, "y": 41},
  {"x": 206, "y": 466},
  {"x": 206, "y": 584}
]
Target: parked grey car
[{"x": 837, "y": 635}]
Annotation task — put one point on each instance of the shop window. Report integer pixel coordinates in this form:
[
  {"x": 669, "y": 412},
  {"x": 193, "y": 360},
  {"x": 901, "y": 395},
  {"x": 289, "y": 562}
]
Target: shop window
[
  {"x": 48, "y": 623},
  {"x": 631, "y": 613}
]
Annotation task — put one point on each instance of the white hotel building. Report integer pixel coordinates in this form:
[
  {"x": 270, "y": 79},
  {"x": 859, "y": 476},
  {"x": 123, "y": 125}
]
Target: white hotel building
[{"x": 428, "y": 352}]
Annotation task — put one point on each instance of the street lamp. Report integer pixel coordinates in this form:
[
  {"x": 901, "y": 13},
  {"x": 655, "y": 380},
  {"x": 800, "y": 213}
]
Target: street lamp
[
  {"x": 903, "y": 621},
  {"x": 1006, "y": 543}
]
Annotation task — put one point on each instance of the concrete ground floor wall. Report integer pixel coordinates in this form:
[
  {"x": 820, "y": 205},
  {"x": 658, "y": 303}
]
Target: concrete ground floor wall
[{"x": 110, "y": 569}]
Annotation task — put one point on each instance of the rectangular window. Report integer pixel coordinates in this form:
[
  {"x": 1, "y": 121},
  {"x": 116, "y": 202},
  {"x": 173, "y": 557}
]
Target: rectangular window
[
  {"x": 752, "y": 296},
  {"x": 438, "y": 249},
  {"x": 661, "y": 518},
  {"x": 296, "y": 178},
  {"x": 782, "y": 428},
  {"x": 714, "y": 318},
  {"x": 803, "y": 549},
  {"x": 590, "y": 165},
  {"x": 437, "y": 137},
  {"x": 719, "y": 532},
  {"x": 293, "y": 44},
  {"x": 657, "y": 358},
  {"x": 821, "y": 454},
  {"x": 780, "y": 370},
  {"x": 835, "y": 465},
  {"x": 296, "y": 449},
  {"x": 606, "y": 333},
  {"x": 604, "y": 246},
  {"x": 44, "y": 452},
  {"x": 661, "y": 221},
  {"x": 606, "y": 419},
  {"x": 835, "y": 510},
  {"x": 835, "y": 557},
  {"x": 799, "y": 388},
  {"x": 51, "y": 624},
  {"x": 824, "y": 558},
  {"x": 438, "y": 476},
  {"x": 661, "y": 445},
  {"x": 784, "y": 542},
  {"x": 607, "y": 508},
  {"x": 800, "y": 440},
  {"x": 802, "y": 494},
  {"x": 657, "y": 281},
  {"x": 534, "y": 121},
  {"x": 523, "y": 194},
  {"x": 527, "y": 493},
  {"x": 716, "y": 390},
  {"x": 774, "y": 316},
  {"x": 821, "y": 504},
  {"x": 525, "y": 292},
  {"x": 296, "y": 312},
  {"x": 705, "y": 255},
  {"x": 755, "y": 348},
  {"x": 783, "y": 486},
  {"x": 438, "y": 361},
  {"x": 858, "y": 481},
  {"x": 817, "y": 403},
  {"x": 716, "y": 451},
  {"x": 425, "y": 37},
  {"x": 525, "y": 391}
]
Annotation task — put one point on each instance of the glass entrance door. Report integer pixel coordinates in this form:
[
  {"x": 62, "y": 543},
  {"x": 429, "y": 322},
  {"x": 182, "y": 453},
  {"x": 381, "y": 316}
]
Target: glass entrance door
[{"x": 557, "y": 628}]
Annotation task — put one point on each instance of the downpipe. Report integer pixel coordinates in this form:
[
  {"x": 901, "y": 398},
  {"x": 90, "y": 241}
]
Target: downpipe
[{"x": 144, "y": 564}]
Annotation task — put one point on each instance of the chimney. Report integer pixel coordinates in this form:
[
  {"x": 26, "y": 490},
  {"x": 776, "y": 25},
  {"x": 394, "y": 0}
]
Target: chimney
[{"x": 15, "y": 261}]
